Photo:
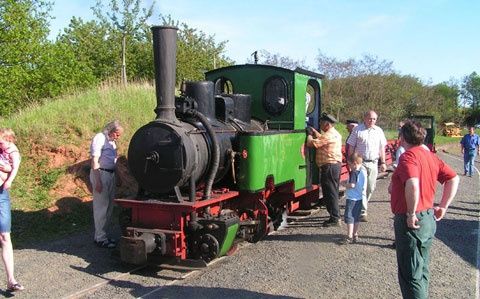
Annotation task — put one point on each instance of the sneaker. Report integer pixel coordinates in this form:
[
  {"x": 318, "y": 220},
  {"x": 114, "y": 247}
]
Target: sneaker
[
  {"x": 332, "y": 222},
  {"x": 106, "y": 244},
  {"x": 363, "y": 218},
  {"x": 346, "y": 241}
]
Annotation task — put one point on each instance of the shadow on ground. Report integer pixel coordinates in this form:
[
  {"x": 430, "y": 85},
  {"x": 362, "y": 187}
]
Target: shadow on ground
[
  {"x": 455, "y": 233},
  {"x": 203, "y": 292}
]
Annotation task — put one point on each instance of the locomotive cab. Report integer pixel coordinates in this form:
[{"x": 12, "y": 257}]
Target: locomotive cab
[{"x": 285, "y": 102}]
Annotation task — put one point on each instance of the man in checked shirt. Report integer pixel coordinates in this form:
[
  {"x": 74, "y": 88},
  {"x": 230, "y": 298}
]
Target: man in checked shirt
[
  {"x": 328, "y": 157},
  {"x": 368, "y": 140}
]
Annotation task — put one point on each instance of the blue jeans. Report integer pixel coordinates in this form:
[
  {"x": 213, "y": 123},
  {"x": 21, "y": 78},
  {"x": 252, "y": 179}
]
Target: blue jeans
[
  {"x": 5, "y": 211},
  {"x": 469, "y": 160},
  {"x": 352, "y": 211}
]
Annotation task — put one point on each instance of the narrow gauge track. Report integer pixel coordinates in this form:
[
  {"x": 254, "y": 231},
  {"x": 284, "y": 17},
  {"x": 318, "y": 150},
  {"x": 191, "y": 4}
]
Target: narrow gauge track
[{"x": 92, "y": 289}]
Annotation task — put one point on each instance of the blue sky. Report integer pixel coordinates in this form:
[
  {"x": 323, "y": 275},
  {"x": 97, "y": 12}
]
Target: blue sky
[{"x": 433, "y": 40}]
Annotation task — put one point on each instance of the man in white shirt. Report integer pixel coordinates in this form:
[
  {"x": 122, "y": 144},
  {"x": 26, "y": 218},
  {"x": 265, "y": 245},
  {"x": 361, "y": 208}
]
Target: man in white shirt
[
  {"x": 368, "y": 140},
  {"x": 103, "y": 151}
]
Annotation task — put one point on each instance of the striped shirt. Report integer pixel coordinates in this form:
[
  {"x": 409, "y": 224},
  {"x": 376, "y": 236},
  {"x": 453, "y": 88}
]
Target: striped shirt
[
  {"x": 329, "y": 147},
  {"x": 367, "y": 142}
]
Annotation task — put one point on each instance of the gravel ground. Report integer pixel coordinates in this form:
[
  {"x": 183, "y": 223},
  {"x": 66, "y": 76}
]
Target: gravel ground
[{"x": 303, "y": 260}]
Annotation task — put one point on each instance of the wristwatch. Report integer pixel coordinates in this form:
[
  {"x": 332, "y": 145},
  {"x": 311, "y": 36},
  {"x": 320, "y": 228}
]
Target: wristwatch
[{"x": 409, "y": 215}]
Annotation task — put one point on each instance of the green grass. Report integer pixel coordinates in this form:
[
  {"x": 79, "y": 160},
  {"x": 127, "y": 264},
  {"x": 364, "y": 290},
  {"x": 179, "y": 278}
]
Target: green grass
[
  {"x": 71, "y": 121},
  {"x": 441, "y": 140}
]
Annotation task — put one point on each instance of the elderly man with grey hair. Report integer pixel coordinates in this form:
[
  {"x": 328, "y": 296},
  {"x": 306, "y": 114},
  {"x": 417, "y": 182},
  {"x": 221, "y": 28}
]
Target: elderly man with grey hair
[
  {"x": 368, "y": 140},
  {"x": 103, "y": 152}
]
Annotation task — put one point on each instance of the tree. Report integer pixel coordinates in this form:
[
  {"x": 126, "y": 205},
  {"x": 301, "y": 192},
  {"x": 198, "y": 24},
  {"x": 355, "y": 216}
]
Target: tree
[
  {"x": 353, "y": 86},
  {"x": 277, "y": 59},
  {"x": 128, "y": 20},
  {"x": 197, "y": 52},
  {"x": 446, "y": 98},
  {"x": 471, "y": 90},
  {"x": 94, "y": 45},
  {"x": 367, "y": 65},
  {"x": 23, "y": 36}
]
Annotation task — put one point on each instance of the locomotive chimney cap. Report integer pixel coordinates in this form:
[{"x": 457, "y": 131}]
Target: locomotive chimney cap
[{"x": 163, "y": 27}]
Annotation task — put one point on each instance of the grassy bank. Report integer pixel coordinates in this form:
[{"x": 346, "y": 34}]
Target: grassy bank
[
  {"x": 44, "y": 131},
  {"x": 53, "y": 136}
]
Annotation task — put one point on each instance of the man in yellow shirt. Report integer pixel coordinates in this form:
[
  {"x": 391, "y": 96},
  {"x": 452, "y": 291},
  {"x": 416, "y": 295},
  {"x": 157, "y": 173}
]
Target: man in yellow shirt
[{"x": 328, "y": 157}]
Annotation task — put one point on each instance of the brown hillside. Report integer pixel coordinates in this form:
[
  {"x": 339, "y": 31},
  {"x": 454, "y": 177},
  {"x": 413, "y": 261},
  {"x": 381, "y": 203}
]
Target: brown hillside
[{"x": 74, "y": 184}]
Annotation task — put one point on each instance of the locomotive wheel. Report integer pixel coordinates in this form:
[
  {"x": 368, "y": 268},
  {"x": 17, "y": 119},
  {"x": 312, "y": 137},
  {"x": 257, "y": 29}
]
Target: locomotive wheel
[
  {"x": 208, "y": 247},
  {"x": 262, "y": 229}
]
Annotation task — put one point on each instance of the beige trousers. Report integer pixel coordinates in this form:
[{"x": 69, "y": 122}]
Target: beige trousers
[
  {"x": 103, "y": 204},
  {"x": 372, "y": 174}
]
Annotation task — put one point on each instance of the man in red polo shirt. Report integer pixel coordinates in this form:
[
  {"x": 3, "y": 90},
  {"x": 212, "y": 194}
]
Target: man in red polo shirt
[{"x": 412, "y": 191}]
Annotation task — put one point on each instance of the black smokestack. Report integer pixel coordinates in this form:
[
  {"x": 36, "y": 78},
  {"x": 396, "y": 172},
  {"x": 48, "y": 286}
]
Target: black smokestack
[{"x": 164, "y": 59}]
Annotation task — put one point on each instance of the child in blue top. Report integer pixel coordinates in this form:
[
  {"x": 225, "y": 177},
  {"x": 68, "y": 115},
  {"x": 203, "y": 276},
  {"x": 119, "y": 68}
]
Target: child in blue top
[{"x": 356, "y": 191}]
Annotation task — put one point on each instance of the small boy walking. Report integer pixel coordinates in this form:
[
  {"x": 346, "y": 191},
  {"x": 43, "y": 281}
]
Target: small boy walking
[{"x": 356, "y": 191}]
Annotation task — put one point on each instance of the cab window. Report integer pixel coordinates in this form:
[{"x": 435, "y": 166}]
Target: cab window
[
  {"x": 223, "y": 86},
  {"x": 275, "y": 95},
  {"x": 310, "y": 99}
]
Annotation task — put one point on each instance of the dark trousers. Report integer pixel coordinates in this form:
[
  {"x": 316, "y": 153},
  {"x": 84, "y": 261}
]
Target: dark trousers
[
  {"x": 413, "y": 254},
  {"x": 329, "y": 180}
]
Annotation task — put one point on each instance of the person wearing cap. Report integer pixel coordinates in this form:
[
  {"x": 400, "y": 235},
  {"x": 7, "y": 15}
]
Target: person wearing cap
[
  {"x": 351, "y": 124},
  {"x": 368, "y": 140},
  {"x": 328, "y": 157}
]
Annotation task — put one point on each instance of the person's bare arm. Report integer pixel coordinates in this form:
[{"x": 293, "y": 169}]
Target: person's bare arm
[
  {"x": 5, "y": 167},
  {"x": 412, "y": 194},
  {"x": 449, "y": 190},
  {"x": 383, "y": 165}
]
